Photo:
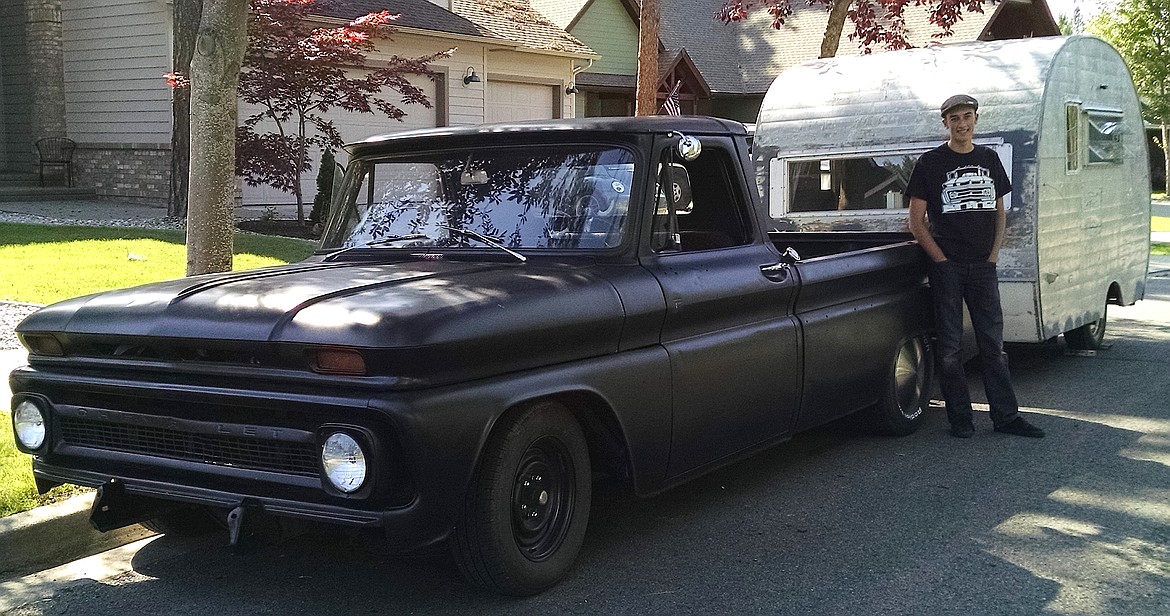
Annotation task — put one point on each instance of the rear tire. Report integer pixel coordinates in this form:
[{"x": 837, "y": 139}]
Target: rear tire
[
  {"x": 1089, "y": 336},
  {"x": 526, "y": 512},
  {"x": 907, "y": 395}
]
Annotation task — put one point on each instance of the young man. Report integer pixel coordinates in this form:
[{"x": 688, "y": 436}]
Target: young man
[{"x": 956, "y": 214}]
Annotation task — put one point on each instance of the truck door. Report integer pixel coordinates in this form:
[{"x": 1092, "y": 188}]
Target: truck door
[{"x": 729, "y": 329}]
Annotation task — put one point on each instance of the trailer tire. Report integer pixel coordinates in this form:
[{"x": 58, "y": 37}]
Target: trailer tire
[
  {"x": 903, "y": 404},
  {"x": 527, "y": 508},
  {"x": 1089, "y": 336}
]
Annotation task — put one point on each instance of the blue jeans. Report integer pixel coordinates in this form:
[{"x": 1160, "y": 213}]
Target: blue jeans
[{"x": 976, "y": 284}]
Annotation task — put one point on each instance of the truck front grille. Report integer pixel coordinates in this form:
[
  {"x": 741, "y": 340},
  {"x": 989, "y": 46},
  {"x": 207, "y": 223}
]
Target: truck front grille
[{"x": 292, "y": 458}]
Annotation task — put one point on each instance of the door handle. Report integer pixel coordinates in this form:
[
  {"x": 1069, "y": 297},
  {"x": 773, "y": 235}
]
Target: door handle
[{"x": 777, "y": 272}]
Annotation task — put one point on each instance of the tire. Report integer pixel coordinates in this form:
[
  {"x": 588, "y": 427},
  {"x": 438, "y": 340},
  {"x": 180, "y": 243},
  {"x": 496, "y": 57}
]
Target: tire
[
  {"x": 527, "y": 508},
  {"x": 1089, "y": 336},
  {"x": 188, "y": 521},
  {"x": 907, "y": 396}
]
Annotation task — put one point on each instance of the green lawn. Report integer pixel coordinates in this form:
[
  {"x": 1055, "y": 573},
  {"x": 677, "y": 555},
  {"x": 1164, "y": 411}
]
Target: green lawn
[
  {"x": 17, "y": 491},
  {"x": 43, "y": 264}
]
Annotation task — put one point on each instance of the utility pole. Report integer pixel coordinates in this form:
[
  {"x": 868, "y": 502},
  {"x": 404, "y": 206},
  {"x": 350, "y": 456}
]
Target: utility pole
[{"x": 647, "y": 94}]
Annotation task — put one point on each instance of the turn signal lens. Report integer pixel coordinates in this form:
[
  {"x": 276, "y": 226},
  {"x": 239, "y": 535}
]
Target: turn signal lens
[
  {"x": 28, "y": 422},
  {"x": 339, "y": 361},
  {"x": 42, "y": 344},
  {"x": 344, "y": 462}
]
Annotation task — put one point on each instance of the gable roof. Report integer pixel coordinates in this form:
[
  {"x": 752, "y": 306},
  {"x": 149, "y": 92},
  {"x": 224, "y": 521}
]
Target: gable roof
[
  {"x": 420, "y": 14},
  {"x": 510, "y": 20},
  {"x": 516, "y": 20},
  {"x": 561, "y": 12},
  {"x": 744, "y": 57}
]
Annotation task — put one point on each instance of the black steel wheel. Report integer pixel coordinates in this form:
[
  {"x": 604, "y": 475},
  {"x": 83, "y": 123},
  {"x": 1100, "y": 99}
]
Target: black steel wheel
[
  {"x": 1089, "y": 336},
  {"x": 526, "y": 513},
  {"x": 903, "y": 404}
]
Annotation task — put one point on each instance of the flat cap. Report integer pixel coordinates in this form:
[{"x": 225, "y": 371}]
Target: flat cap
[{"x": 959, "y": 100}]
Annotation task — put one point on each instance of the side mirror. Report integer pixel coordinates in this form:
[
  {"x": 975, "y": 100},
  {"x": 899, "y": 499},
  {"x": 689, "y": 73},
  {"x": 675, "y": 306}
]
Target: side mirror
[{"x": 689, "y": 147}]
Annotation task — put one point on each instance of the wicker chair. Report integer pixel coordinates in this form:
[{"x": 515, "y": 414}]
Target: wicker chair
[{"x": 56, "y": 152}]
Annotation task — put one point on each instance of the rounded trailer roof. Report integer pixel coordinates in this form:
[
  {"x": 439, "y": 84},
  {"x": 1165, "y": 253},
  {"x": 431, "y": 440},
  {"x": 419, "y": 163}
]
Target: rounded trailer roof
[{"x": 873, "y": 99}]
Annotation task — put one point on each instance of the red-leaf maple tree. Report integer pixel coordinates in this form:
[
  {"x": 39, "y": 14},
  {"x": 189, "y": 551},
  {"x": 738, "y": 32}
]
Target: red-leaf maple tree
[
  {"x": 876, "y": 22},
  {"x": 296, "y": 72}
]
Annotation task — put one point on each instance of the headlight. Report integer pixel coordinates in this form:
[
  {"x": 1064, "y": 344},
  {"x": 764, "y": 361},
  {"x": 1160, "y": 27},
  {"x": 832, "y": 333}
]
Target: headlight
[
  {"x": 29, "y": 424},
  {"x": 344, "y": 462}
]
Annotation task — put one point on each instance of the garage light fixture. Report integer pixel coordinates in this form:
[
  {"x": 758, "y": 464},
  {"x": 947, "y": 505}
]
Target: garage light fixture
[{"x": 469, "y": 76}]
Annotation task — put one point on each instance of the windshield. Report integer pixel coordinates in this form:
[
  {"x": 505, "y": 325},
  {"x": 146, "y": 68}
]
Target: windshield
[{"x": 557, "y": 197}]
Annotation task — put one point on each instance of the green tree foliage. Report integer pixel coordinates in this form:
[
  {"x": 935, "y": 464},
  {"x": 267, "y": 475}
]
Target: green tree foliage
[
  {"x": 295, "y": 72},
  {"x": 1140, "y": 30},
  {"x": 324, "y": 196}
]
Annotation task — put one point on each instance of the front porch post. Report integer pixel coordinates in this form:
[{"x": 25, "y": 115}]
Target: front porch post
[{"x": 46, "y": 67}]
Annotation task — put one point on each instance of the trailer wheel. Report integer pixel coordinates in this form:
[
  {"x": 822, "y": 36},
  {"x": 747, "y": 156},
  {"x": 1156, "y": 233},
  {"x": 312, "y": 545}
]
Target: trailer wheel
[
  {"x": 190, "y": 521},
  {"x": 902, "y": 406},
  {"x": 1089, "y": 336},
  {"x": 526, "y": 512}
]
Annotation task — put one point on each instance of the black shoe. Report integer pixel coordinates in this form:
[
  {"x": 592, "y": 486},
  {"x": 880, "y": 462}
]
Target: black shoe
[
  {"x": 1020, "y": 427},
  {"x": 966, "y": 430}
]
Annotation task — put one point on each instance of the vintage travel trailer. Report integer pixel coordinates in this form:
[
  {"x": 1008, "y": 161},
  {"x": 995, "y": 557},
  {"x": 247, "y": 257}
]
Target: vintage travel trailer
[{"x": 837, "y": 139}]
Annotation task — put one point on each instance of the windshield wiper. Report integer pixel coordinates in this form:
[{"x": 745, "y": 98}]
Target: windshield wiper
[
  {"x": 378, "y": 242},
  {"x": 490, "y": 241}
]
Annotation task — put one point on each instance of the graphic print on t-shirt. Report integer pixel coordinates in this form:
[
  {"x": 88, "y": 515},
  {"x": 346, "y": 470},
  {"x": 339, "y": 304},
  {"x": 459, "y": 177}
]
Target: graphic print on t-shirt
[{"x": 968, "y": 189}]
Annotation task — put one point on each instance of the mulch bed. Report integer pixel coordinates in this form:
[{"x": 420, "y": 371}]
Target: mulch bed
[{"x": 282, "y": 227}]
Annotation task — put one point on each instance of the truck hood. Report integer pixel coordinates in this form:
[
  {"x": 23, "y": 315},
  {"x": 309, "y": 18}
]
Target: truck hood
[{"x": 506, "y": 315}]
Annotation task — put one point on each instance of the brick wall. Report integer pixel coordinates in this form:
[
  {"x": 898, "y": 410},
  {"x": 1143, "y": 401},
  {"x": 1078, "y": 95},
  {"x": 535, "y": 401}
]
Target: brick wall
[{"x": 135, "y": 172}]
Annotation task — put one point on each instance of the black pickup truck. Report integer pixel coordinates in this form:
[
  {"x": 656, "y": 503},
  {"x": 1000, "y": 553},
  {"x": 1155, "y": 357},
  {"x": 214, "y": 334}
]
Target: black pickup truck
[{"x": 495, "y": 316}]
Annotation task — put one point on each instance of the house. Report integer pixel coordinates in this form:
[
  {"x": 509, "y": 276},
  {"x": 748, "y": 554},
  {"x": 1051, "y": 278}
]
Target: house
[
  {"x": 92, "y": 70},
  {"x": 725, "y": 69}
]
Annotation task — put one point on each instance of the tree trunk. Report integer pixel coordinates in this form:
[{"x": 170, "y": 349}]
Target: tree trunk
[
  {"x": 215, "y": 73},
  {"x": 647, "y": 96},
  {"x": 186, "y": 26},
  {"x": 832, "y": 40},
  {"x": 1166, "y": 157},
  {"x": 302, "y": 154}
]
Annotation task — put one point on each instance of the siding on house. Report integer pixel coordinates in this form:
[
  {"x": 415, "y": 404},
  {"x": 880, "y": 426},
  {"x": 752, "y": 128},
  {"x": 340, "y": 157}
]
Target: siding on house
[
  {"x": 611, "y": 33},
  {"x": 16, "y": 149},
  {"x": 116, "y": 52}
]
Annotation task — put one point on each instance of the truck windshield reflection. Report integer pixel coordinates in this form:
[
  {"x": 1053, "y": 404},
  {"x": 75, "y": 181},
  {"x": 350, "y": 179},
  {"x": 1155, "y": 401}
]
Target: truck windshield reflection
[{"x": 561, "y": 197}]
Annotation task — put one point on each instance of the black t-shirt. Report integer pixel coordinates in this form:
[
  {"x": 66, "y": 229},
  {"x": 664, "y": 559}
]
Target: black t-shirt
[{"x": 960, "y": 192}]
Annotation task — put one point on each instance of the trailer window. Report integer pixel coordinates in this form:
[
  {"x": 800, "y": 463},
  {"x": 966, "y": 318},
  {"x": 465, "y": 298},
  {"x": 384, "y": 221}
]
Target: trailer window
[
  {"x": 1105, "y": 136},
  {"x": 875, "y": 182},
  {"x": 854, "y": 185},
  {"x": 1072, "y": 114}
]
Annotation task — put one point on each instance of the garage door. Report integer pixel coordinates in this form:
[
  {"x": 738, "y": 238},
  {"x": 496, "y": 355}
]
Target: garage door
[
  {"x": 507, "y": 101},
  {"x": 353, "y": 127}
]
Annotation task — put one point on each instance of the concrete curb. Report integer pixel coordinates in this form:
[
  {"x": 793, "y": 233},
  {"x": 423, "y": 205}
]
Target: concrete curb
[{"x": 56, "y": 534}]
